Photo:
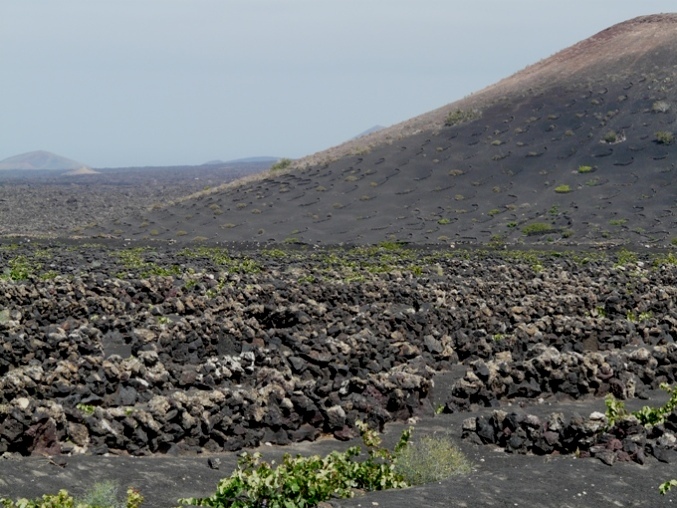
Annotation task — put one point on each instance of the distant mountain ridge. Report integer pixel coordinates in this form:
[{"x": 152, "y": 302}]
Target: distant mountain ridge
[
  {"x": 370, "y": 130},
  {"x": 40, "y": 160}
]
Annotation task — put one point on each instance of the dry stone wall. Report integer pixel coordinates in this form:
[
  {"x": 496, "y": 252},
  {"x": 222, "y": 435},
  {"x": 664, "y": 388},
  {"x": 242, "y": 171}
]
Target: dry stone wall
[{"x": 109, "y": 349}]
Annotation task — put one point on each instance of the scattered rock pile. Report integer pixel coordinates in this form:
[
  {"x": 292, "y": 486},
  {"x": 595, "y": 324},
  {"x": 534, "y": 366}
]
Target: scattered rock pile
[
  {"x": 158, "y": 350},
  {"x": 625, "y": 374}
]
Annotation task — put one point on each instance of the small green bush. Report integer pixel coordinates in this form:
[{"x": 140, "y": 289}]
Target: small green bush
[
  {"x": 625, "y": 257},
  {"x": 563, "y": 189},
  {"x": 666, "y": 486},
  {"x": 431, "y": 459},
  {"x": 537, "y": 228},
  {"x": 19, "y": 269},
  {"x": 610, "y": 137},
  {"x": 616, "y": 411},
  {"x": 585, "y": 169},
  {"x": 102, "y": 495}
]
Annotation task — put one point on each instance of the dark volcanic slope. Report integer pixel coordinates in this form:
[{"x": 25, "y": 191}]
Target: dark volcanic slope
[{"x": 576, "y": 148}]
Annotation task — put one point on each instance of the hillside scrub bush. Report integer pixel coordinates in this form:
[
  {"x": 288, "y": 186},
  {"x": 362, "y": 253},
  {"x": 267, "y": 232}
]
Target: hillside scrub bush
[
  {"x": 660, "y": 107},
  {"x": 585, "y": 169},
  {"x": 563, "y": 189},
  {"x": 462, "y": 116},
  {"x": 664, "y": 137},
  {"x": 281, "y": 164}
]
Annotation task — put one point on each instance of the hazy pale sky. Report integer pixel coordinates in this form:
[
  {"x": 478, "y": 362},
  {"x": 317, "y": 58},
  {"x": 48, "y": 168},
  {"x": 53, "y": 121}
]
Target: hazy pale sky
[{"x": 165, "y": 82}]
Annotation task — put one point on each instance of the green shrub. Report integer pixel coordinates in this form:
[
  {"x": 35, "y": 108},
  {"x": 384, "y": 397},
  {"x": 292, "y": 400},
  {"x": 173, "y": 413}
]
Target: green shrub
[
  {"x": 625, "y": 257},
  {"x": 102, "y": 495},
  {"x": 585, "y": 169},
  {"x": 431, "y": 459},
  {"x": 666, "y": 259},
  {"x": 616, "y": 411},
  {"x": 302, "y": 482},
  {"x": 666, "y": 486},
  {"x": 563, "y": 189},
  {"x": 610, "y": 137},
  {"x": 20, "y": 268},
  {"x": 664, "y": 137},
  {"x": 537, "y": 228}
]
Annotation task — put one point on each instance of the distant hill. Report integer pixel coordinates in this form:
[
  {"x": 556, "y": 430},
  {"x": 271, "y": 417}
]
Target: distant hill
[
  {"x": 80, "y": 171},
  {"x": 40, "y": 160},
  {"x": 254, "y": 159}
]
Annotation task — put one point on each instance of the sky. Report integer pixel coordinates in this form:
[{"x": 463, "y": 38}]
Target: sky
[{"x": 115, "y": 83}]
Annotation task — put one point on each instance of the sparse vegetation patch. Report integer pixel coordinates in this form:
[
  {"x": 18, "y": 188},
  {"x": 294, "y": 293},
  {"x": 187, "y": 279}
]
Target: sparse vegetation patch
[
  {"x": 538, "y": 228},
  {"x": 460, "y": 116},
  {"x": 664, "y": 137}
]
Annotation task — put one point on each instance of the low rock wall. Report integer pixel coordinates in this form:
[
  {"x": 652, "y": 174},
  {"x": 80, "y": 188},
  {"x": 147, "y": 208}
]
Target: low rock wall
[{"x": 207, "y": 350}]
